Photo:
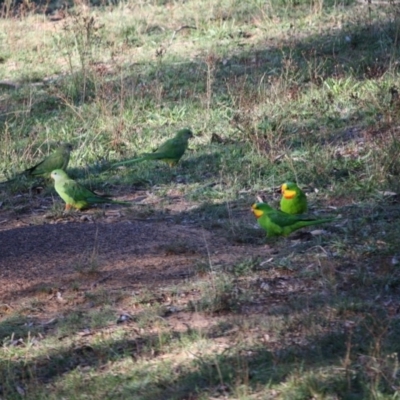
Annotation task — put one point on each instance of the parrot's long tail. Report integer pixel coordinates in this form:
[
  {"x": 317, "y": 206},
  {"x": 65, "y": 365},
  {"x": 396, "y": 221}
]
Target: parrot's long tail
[
  {"x": 133, "y": 160},
  {"x": 314, "y": 222}
]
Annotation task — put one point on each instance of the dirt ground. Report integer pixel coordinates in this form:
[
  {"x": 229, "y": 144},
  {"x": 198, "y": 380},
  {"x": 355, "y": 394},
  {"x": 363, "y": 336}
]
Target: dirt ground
[{"x": 115, "y": 251}]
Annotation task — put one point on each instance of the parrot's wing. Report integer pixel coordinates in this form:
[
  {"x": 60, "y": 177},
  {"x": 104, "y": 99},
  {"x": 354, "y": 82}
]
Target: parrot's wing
[
  {"x": 161, "y": 155},
  {"x": 80, "y": 193},
  {"x": 283, "y": 219},
  {"x": 166, "y": 146},
  {"x": 76, "y": 191},
  {"x": 172, "y": 148},
  {"x": 49, "y": 164},
  {"x": 57, "y": 160},
  {"x": 65, "y": 158}
]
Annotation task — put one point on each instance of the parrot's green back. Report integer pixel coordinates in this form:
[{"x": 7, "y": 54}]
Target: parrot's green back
[
  {"x": 170, "y": 151},
  {"x": 76, "y": 195},
  {"x": 278, "y": 223},
  {"x": 59, "y": 159},
  {"x": 294, "y": 200}
]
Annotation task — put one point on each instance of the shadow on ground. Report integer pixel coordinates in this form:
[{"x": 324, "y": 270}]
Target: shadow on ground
[{"x": 261, "y": 363}]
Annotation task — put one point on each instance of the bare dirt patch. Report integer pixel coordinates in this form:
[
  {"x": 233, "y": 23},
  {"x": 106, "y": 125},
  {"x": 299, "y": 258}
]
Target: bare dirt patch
[{"x": 111, "y": 253}]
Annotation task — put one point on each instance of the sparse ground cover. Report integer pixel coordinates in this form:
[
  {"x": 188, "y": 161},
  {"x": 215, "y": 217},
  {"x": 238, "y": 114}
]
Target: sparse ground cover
[{"x": 181, "y": 296}]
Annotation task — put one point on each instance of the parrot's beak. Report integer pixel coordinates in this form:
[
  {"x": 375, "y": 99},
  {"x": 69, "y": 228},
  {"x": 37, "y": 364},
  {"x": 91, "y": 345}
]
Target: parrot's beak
[
  {"x": 256, "y": 211},
  {"x": 288, "y": 194},
  {"x": 283, "y": 188}
]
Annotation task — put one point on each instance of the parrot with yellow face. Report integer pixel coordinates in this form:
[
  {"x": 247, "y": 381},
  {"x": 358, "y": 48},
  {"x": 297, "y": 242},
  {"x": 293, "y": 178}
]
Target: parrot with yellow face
[
  {"x": 279, "y": 223},
  {"x": 294, "y": 200}
]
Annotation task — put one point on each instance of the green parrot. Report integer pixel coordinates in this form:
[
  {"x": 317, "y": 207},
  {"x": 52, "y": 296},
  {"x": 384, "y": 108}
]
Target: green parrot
[
  {"x": 76, "y": 195},
  {"x": 278, "y": 223},
  {"x": 170, "y": 151},
  {"x": 59, "y": 159},
  {"x": 293, "y": 201}
]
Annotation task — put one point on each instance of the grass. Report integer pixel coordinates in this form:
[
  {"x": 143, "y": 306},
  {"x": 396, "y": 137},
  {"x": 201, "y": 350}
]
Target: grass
[{"x": 294, "y": 90}]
